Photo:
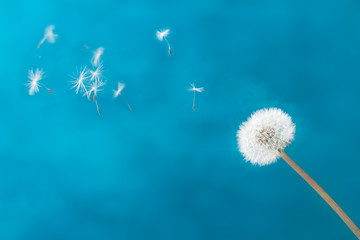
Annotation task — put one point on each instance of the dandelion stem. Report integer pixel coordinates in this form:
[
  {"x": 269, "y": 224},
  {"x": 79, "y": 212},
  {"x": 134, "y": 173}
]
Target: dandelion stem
[
  {"x": 168, "y": 45},
  {"x": 87, "y": 93},
  {"x": 97, "y": 107},
  {"x": 49, "y": 90},
  {"x": 41, "y": 42},
  {"x": 126, "y": 102},
  {"x": 322, "y": 193},
  {"x": 194, "y": 102}
]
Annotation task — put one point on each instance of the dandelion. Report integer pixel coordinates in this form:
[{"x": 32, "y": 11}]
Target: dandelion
[
  {"x": 262, "y": 140},
  {"x": 263, "y": 134},
  {"x": 162, "y": 35},
  {"x": 33, "y": 83},
  {"x": 195, "y": 89},
  {"x": 78, "y": 83},
  {"x": 95, "y": 60},
  {"x": 95, "y": 88},
  {"x": 48, "y": 35},
  {"x": 117, "y": 93}
]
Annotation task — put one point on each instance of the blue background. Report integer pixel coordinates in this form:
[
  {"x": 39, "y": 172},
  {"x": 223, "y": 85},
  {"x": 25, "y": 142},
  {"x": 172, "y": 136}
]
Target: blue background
[{"x": 165, "y": 171}]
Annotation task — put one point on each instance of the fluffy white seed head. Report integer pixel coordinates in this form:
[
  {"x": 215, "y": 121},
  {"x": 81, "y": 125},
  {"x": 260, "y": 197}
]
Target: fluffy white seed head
[
  {"x": 265, "y": 133},
  {"x": 162, "y": 34}
]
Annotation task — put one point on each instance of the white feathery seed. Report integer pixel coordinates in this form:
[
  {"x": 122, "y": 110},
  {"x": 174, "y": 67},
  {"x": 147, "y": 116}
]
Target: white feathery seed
[
  {"x": 79, "y": 82},
  {"x": 95, "y": 87},
  {"x": 161, "y": 35},
  {"x": 49, "y": 35},
  {"x": 97, "y": 73},
  {"x": 34, "y": 78},
  {"x": 95, "y": 60},
  {"x": 117, "y": 92},
  {"x": 195, "y": 89}
]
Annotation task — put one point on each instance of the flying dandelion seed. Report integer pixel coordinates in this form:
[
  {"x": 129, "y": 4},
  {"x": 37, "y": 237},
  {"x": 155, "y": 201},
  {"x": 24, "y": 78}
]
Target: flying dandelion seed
[
  {"x": 97, "y": 73},
  {"x": 49, "y": 35},
  {"x": 118, "y": 91},
  {"x": 162, "y": 35},
  {"x": 95, "y": 60},
  {"x": 262, "y": 140},
  {"x": 195, "y": 89},
  {"x": 95, "y": 88},
  {"x": 79, "y": 82},
  {"x": 33, "y": 82}
]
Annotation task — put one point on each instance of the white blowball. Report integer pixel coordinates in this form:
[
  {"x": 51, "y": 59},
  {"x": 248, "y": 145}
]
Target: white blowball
[{"x": 264, "y": 135}]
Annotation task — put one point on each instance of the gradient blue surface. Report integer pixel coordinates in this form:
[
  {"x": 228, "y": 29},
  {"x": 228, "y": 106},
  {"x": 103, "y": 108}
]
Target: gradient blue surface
[{"x": 164, "y": 171}]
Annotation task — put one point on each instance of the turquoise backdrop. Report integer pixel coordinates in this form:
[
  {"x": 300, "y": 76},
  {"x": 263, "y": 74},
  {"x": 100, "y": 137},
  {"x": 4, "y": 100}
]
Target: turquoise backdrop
[{"x": 164, "y": 171}]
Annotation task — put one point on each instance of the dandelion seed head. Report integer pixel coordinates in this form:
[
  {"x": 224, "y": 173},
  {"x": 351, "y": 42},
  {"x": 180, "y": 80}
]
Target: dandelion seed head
[
  {"x": 162, "y": 34},
  {"x": 265, "y": 133}
]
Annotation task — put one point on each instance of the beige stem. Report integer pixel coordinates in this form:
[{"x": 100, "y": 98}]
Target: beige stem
[{"x": 322, "y": 193}]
